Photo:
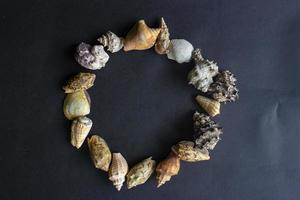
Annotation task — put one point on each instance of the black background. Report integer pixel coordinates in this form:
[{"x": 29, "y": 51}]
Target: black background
[{"x": 141, "y": 102}]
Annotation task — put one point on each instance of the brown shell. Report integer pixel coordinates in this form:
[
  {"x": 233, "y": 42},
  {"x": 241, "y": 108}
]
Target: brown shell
[
  {"x": 81, "y": 81},
  {"x": 140, "y": 37},
  {"x": 212, "y": 107},
  {"x": 118, "y": 170},
  {"x": 186, "y": 151},
  {"x": 99, "y": 152},
  {"x": 163, "y": 40},
  {"x": 167, "y": 168}
]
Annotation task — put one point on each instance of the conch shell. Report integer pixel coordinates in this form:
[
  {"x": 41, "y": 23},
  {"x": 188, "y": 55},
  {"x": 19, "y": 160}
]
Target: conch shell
[
  {"x": 111, "y": 41},
  {"x": 80, "y": 128},
  {"x": 186, "y": 151},
  {"x": 163, "y": 41},
  {"x": 81, "y": 81},
  {"x": 180, "y": 50},
  {"x": 99, "y": 152},
  {"x": 118, "y": 170},
  {"x": 140, "y": 173},
  {"x": 140, "y": 37},
  {"x": 167, "y": 168},
  {"x": 77, "y": 104},
  {"x": 212, "y": 107}
]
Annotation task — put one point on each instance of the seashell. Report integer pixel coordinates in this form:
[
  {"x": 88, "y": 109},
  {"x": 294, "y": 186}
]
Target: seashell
[
  {"x": 180, "y": 50},
  {"x": 77, "y": 104},
  {"x": 212, "y": 107},
  {"x": 140, "y": 37},
  {"x": 201, "y": 76},
  {"x": 80, "y": 128},
  {"x": 99, "y": 152},
  {"x": 118, "y": 170},
  {"x": 91, "y": 57},
  {"x": 207, "y": 132},
  {"x": 224, "y": 88},
  {"x": 140, "y": 173},
  {"x": 163, "y": 41},
  {"x": 81, "y": 81},
  {"x": 167, "y": 168},
  {"x": 186, "y": 151},
  {"x": 111, "y": 41}
]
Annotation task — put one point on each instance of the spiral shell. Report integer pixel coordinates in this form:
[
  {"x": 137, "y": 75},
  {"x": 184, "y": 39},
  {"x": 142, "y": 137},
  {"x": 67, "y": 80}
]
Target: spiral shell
[
  {"x": 80, "y": 128},
  {"x": 212, "y": 107},
  {"x": 186, "y": 151},
  {"x": 180, "y": 50},
  {"x": 140, "y": 37},
  {"x": 118, "y": 170},
  {"x": 91, "y": 57},
  {"x": 140, "y": 173},
  {"x": 163, "y": 41},
  {"x": 99, "y": 152},
  {"x": 111, "y": 41},
  {"x": 77, "y": 104},
  {"x": 167, "y": 168},
  {"x": 81, "y": 81}
]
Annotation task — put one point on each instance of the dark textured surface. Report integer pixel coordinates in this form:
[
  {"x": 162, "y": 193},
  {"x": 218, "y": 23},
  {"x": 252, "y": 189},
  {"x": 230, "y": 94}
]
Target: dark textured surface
[{"x": 141, "y": 103}]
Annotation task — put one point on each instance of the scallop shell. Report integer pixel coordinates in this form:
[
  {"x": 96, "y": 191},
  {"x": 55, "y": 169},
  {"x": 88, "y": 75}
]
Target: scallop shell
[
  {"x": 99, "y": 152},
  {"x": 118, "y": 170},
  {"x": 167, "y": 168},
  {"x": 91, "y": 57},
  {"x": 186, "y": 151},
  {"x": 140, "y": 37},
  {"x": 163, "y": 41},
  {"x": 140, "y": 173},
  {"x": 180, "y": 50},
  {"x": 81, "y": 81},
  {"x": 111, "y": 41},
  {"x": 212, "y": 107},
  {"x": 201, "y": 76},
  {"x": 80, "y": 128},
  {"x": 77, "y": 104}
]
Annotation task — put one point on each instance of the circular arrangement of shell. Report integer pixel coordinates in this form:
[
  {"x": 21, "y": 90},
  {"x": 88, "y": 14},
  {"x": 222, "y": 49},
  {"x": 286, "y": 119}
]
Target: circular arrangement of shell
[{"x": 220, "y": 86}]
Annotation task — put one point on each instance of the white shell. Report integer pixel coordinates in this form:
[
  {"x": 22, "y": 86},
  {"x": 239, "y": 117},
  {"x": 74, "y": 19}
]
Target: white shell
[
  {"x": 118, "y": 170},
  {"x": 80, "y": 128},
  {"x": 111, "y": 41},
  {"x": 180, "y": 50}
]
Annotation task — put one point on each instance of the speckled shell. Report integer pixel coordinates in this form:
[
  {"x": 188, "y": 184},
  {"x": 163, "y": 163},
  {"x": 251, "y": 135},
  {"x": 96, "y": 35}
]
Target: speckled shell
[
  {"x": 167, "y": 168},
  {"x": 111, "y": 41},
  {"x": 81, "y": 81},
  {"x": 140, "y": 173},
  {"x": 99, "y": 152},
  {"x": 80, "y": 128},
  {"x": 77, "y": 104},
  {"x": 140, "y": 37},
  {"x": 212, "y": 107},
  {"x": 91, "y": 57},
  {"x": 118, "y": 170},
  {"x": 163, "y": 41},
  {"x": 186, "y": 151},
  {"x": 180, "y": 50},
  {"x": 201, "y": 76}
]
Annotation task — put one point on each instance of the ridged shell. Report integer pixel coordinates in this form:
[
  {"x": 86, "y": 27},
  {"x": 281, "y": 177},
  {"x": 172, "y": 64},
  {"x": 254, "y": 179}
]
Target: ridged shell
[
  {"x": 212, "y": 107},
  {"x": 91, "y": 57},
  {"x": 99, "y": 152},
  {"x": 111, "y": 41},
  {"x": 140, "y": 173},
  {"x": 140, "y": 37},
  {"x": 180, "y": 50},
  {"x": 163, "y": 40},
  {"x": 81, "y": 81},
  {"x": 80, "y": 128},
  {"x": 77, "y": 104},
  {"x": 118, "y": 170},
  {"x": 186, "y": 151},
  {"x": 167, "y": 168}
]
